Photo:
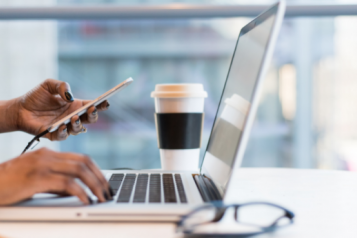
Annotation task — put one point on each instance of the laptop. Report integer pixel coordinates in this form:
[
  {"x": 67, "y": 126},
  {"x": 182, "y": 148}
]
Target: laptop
[{"x": 158, "y": 195}]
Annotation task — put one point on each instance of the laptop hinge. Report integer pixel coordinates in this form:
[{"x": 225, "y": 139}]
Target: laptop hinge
[{"x": 207, "y": 189}]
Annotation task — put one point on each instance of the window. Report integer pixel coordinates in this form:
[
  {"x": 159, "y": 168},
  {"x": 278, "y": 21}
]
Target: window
[{"x": 306, "y": 117}]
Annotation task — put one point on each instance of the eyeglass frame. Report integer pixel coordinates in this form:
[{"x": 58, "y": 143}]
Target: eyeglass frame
[{"x": 221, "y": 210}]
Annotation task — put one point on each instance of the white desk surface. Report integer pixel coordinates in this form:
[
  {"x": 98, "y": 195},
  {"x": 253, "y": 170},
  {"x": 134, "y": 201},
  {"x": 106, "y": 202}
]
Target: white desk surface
[{"x": 324, "y": 202}]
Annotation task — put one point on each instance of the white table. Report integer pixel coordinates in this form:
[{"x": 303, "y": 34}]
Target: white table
[{"x": 324, "y": 202}]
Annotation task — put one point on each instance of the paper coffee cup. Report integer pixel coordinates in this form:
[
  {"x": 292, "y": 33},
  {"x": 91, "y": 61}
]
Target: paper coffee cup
[{"x": 179, "y": 123}]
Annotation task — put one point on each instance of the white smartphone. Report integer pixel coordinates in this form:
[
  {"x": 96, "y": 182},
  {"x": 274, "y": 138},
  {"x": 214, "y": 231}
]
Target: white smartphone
[{"x": 95, "y": 102}]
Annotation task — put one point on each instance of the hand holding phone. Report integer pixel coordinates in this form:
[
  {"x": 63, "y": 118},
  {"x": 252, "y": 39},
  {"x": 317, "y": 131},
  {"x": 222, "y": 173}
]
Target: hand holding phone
[
  {"x": 67, "y": 119},
  {"x": 95, "y": 102}
]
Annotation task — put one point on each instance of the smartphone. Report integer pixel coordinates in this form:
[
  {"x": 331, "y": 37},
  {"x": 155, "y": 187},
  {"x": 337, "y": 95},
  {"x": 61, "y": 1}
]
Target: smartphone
[{"x": 95, "y": 102}]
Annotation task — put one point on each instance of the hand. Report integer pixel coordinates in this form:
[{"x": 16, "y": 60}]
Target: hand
[
  {"x": 48, "y": 103},
  {"x": 44, "y": 170}
]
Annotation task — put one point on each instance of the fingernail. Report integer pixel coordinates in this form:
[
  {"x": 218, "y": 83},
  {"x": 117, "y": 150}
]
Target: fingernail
[
  {"x": 111, "y": 192},
  {"x": 95, "y": 111},
  {"x": 69, "y": 96},
  {"x": 90, "y": 200},
  {"x": 77, "y": 122},
  {"x": 108, "y": 105}
]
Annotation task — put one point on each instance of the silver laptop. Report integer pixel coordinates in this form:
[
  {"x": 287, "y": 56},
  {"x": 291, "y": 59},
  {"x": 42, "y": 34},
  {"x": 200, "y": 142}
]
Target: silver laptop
[{"x": 158, "y": 195}]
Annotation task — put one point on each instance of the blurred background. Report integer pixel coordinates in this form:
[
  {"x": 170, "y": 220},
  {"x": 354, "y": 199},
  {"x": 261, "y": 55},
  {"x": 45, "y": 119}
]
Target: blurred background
[{"x": 306, "y": 118}]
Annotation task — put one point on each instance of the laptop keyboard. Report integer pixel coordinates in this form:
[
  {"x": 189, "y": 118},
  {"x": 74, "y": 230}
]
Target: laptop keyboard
[
  {"x": 180, "y": 188},
  {"x": 115, "y": 182},
  {"x": 169, "y": 188},
  {"x": 145, "y": 187},
  {"x": 140, "y": 188},
  {"x": 155, "y": 188}
]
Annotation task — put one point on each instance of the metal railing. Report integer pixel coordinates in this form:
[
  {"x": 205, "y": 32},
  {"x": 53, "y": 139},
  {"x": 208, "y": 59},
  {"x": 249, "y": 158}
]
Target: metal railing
[{"x": 167, "y": 11}]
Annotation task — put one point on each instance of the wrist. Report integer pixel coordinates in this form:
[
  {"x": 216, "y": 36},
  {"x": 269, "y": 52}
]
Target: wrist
[{"x": 9, "y": 115}]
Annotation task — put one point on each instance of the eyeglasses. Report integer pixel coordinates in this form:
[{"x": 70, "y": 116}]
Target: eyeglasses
[{"x": 250, "y": 218}]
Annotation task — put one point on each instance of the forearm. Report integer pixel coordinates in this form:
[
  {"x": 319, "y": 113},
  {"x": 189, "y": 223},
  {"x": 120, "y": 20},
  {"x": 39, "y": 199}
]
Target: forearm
[{"x": 8, "y": 115}]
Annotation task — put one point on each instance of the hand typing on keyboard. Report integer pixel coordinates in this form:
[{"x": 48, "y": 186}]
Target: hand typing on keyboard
[{"x": 44, "y": 170}]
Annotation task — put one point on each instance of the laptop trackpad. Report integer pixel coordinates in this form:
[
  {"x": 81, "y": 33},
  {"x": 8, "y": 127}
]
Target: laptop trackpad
[{"x": 51, "y": 200}]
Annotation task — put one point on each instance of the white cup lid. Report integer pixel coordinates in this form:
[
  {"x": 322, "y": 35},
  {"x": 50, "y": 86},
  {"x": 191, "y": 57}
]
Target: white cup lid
[
  {"x": 238, "y": 103},
  {"x": 179, "y": 91}
]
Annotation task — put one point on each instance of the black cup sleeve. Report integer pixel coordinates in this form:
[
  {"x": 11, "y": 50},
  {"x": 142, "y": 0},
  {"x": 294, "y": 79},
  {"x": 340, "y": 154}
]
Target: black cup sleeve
[{"x": 179, "y": 130}]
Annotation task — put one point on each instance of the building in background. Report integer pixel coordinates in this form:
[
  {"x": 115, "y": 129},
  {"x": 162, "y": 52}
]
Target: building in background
[
  {"x": 102, "y": 53},
  {"x": 28, "y": 55},
  {"x": 305, "y": 119},
  {"x": 96, "y": 55}
]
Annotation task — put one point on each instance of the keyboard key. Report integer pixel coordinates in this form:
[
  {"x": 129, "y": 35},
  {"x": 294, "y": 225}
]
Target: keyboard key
[
  {"x": 180, "y": 188},
  {"x": 127, "y": 188},
  {"x": 169, "y": 188},
  {"x": 116, "y": 177},
  {"x": 115, "y": 182},
  {"x": 155, "y": 188},
  {"x": 140, "y": 188}
]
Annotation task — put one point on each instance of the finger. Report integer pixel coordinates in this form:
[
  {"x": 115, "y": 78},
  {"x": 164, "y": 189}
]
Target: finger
[
  {"x": 84, "y": 130},
  {"x": 80, "y": 170},
  {"x": 90, "y": 164},
  {"x": 60, "y": 183},
  {"x": 94, "y": 168},
  {"x": 75, "y": 126},
  {"x": 59, "y": 135},
  {"x": 92, "y": 114},
  {"x": 59, "y": 87},
  {"x": 103, "y": 106}
]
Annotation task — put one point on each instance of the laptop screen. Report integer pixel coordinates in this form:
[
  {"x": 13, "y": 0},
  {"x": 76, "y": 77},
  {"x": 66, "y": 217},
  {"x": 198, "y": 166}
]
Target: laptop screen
[{"x": 237, "y": 97}]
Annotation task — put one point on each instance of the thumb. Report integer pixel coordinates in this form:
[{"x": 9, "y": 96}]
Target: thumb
[{"x": 54, "y": 87}]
